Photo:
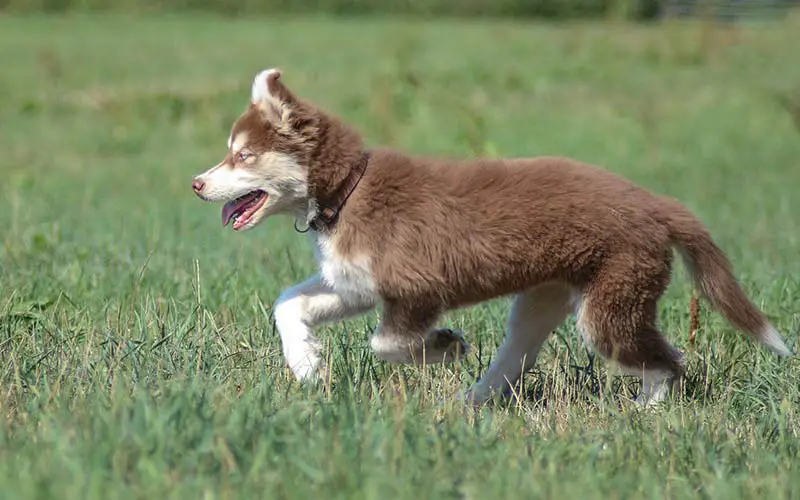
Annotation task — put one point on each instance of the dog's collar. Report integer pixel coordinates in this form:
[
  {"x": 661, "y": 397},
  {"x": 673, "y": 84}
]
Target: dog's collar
[{"x": 323, "y": 214}]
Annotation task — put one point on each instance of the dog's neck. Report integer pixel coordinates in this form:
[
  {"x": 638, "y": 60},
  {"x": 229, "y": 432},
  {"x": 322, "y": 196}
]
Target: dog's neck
[{"x": 335, "y": 168}]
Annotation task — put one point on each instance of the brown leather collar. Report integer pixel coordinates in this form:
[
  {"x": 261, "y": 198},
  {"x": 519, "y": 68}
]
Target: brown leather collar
[{"x": 327, "y": 214}]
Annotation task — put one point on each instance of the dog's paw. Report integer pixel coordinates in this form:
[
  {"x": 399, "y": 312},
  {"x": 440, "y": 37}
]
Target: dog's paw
[
  {"x": 645, "y": 404},
  {"x": 448, "y": 343},
  {"x": 470, "y": 399}
]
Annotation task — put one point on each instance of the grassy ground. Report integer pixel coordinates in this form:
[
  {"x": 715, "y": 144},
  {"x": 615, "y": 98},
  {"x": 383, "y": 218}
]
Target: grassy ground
[{"x": 138, "y": 355}]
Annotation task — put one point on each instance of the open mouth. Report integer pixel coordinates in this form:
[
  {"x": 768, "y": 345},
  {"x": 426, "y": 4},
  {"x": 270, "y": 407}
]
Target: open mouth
[{"x": 242, "y": 209}]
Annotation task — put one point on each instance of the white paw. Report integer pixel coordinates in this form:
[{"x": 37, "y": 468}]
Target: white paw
[
  {"x": 471, "y": 399},
  {"x": 305, "y": 365}
]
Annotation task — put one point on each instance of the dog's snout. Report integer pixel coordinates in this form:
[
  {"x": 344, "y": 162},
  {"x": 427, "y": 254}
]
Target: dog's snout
[{"x": 198, "y": 185}]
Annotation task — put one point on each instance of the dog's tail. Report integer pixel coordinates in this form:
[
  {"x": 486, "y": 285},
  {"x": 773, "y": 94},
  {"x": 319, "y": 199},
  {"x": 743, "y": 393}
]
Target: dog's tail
[{"x": 713, "y": 274}]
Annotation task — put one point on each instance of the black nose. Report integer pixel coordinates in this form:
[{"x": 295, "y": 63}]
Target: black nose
[{"x": 198, "y": 185}]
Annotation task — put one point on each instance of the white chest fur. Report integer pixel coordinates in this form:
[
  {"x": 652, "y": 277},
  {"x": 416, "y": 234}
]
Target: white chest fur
[{"x": 345, "y": 275}]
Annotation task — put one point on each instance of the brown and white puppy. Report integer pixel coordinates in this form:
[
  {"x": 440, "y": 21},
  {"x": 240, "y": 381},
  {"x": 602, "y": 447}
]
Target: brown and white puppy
[{"x": 421, "y": 236}]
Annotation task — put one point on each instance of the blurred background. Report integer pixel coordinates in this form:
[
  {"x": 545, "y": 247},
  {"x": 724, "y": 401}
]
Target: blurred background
[{"x": 640, "y": 10}]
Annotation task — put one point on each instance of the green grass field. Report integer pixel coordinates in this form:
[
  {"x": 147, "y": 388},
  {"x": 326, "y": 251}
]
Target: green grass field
[{"x": 138, "y": 356}]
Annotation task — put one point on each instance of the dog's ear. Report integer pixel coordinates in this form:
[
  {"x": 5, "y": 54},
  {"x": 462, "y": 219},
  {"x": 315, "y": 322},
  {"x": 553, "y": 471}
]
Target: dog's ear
[{"x": 272, "y": 97}]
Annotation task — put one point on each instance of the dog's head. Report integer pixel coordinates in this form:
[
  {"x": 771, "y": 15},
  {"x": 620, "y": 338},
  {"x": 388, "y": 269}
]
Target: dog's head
[{"x": 265, "y": 170}]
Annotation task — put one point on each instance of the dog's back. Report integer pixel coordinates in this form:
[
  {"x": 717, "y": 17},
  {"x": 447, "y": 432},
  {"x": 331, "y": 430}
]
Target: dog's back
[{"x": 473, "y": 230}]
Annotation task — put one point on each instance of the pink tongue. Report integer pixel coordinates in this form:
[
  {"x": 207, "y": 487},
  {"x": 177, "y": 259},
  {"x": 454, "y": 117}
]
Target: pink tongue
[
  {"x": 232, "y": 207},
  {"x": 228, "y": 211}
]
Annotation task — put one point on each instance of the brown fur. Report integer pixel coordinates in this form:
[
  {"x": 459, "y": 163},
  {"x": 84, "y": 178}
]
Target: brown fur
[{"x": 443, "y": 233}]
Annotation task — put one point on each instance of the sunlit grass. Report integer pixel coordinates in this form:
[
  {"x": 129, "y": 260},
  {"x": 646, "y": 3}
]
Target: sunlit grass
[{"x": 137, "y": 348}]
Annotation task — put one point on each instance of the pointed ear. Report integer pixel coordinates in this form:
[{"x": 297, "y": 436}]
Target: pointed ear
[{"x": 271, "y": 95}]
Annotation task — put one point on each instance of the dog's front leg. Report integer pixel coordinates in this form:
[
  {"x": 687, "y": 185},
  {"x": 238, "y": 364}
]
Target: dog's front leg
[
  {"x": 302, "y": 307},
  {"x": 405, "y": 335}
]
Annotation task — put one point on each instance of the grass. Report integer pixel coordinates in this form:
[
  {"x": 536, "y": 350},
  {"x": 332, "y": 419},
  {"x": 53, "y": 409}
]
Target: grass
[{"x": 138, "y": 356}]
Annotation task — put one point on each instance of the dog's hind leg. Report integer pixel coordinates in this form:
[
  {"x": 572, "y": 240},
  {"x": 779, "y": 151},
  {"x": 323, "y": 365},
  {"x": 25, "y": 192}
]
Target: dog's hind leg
[
  {"x": 534, "y": 315},
  {"x": 617, "y": 315},
  {"x": 302, "y": 307},
  {"x": 406, "y": 335}
]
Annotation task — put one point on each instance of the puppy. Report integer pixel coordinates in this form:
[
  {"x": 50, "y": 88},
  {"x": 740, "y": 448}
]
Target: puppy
[{"x": 421, "y": 236}]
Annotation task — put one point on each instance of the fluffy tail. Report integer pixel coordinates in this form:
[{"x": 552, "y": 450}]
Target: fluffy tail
[{"x": 713, "y": 274}]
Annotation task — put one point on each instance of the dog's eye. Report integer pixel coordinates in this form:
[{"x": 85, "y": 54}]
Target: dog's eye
[{"x": 242, "y": 156}]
